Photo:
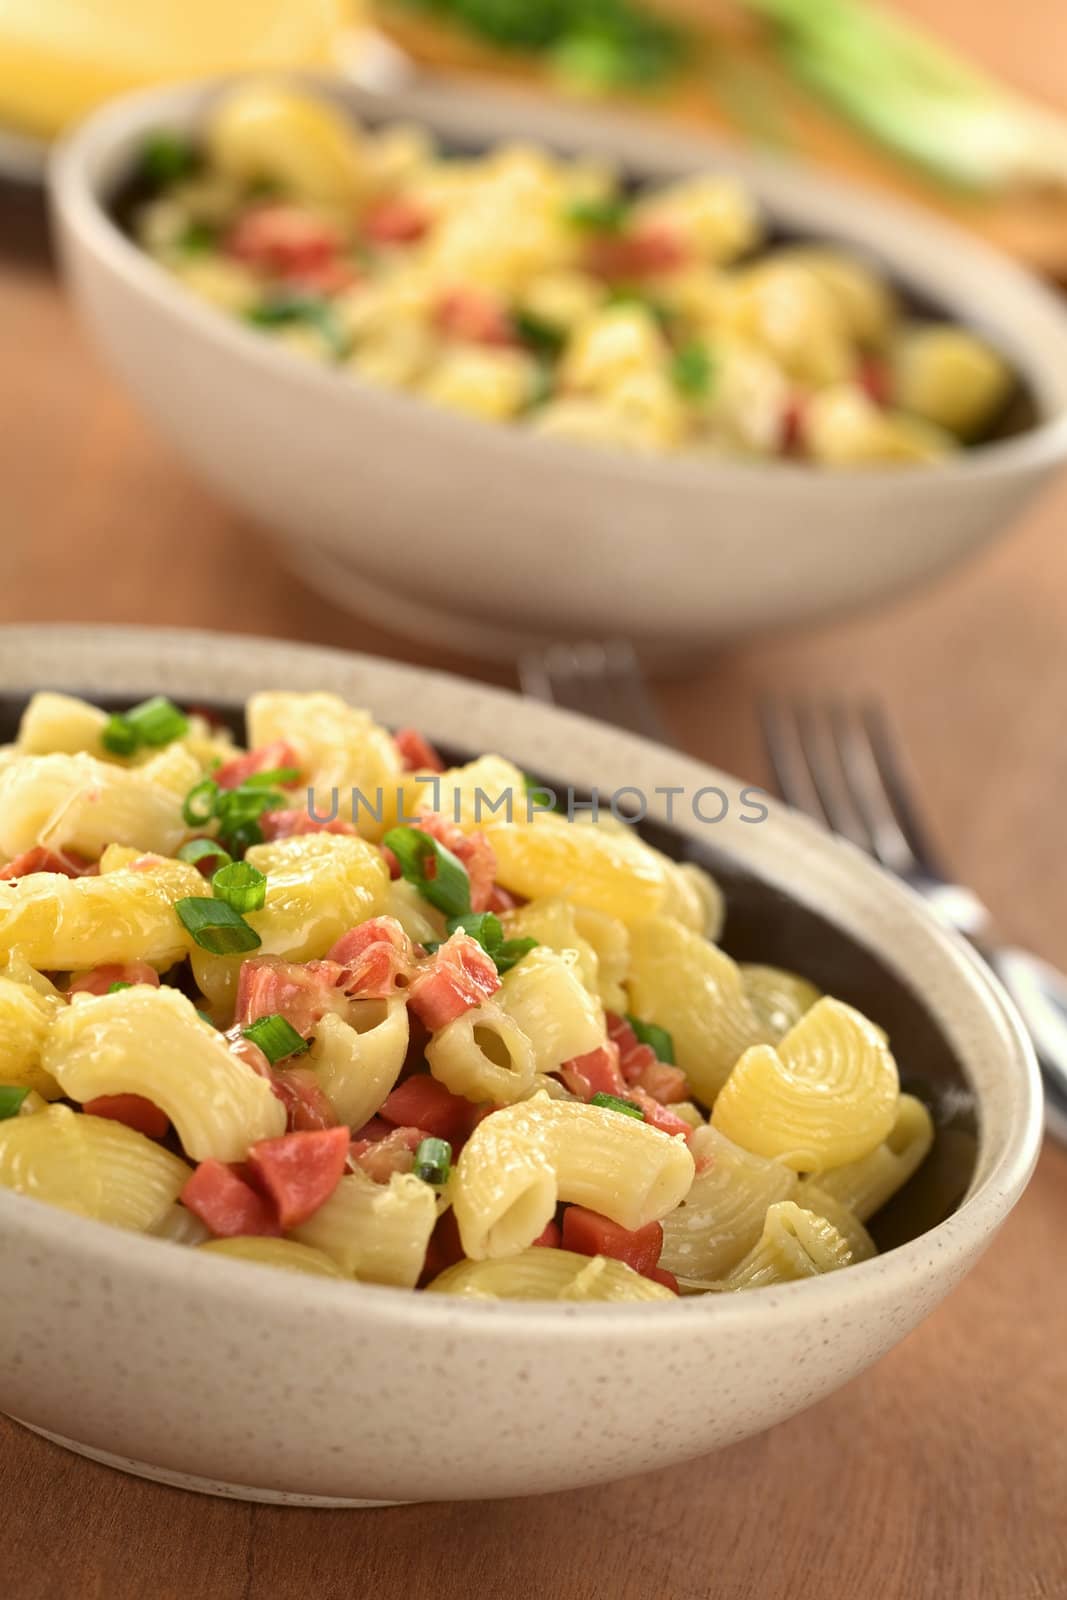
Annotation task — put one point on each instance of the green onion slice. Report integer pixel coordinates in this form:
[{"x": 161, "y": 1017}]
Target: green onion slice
[
  {"x": 605, "y": 215},
  {"x": 433, "y": 1161},
  {"x": 157, "y": 721},
  {"x": 282, "y": 776},
  {"x": 116, "y": 988},
  {"x": 276, "y": 1037},
  {"x": 540, "y": 335},
  {"x": 489, "y": 932},
  {"x": 196, "y": 850},
  {"x": 658, "y": 1038},
  {"x": 12, "y": 1095},
  {"x": 166, "y": 157},
  {"x": 118, "y": 736},
  {"x": 432, "y": 869},
  {"x": 216, "y": 926},
  {"x": 198, "y": 806},
  {"x": 612, "y": 1102},
  {"x": 692, "y": 371},
  {"x": 241, "y": 885}
]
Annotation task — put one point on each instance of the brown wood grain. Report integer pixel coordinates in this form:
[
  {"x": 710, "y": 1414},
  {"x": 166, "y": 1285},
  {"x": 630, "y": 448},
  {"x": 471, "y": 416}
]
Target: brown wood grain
[{"x": 941, "y": 1474}]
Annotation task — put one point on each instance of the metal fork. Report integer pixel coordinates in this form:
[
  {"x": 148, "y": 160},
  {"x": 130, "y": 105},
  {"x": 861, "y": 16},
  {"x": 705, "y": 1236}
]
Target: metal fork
[
  {"x": 839, "y": 763},
  {"x": 600, "y": 680}
]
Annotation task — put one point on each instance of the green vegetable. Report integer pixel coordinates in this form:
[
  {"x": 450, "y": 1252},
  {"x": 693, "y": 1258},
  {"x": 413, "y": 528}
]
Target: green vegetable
[
  {"x": 11, "y": 1098},
  {"x": 658, "y": 1038},
  {"x": 241, "y": 885},
  {"x": 167, "y": 157},
  {"x": 692, "y": 370},
  {"x": 196, "y": 238},
  {"x": 911, "y": 93},
  {"x": 154, "y": 722},
  {"x": 197, "y": 850},
  {"x": 489, "y": 932},
  {"x": 606, "y": 215},
  {"x": 438, "y": 875},
  {"x": 216, "y": 926},
  {"x": 237, "y": 811},
  {"x": 542, "y": 337},
  {"x": 198, "y": 807},
  {"x": 116, "y": 988},
  {"x": 282, "y": 311},
  {"x": 433, "y": 1161},
  {"x": 280, "y": 777},
  {"x": 276, "y": 1037},
  {"x": 612, "y": 1102}
]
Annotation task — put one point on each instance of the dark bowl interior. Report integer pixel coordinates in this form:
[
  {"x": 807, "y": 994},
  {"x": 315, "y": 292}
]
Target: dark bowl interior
[
  {"x": 765, "y": 925},
  {"x": 1021, "y": 411}
]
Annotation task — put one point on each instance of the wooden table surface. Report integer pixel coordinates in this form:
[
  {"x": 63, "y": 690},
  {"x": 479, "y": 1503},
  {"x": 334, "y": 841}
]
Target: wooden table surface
[{"x": 941, "y": 1474}]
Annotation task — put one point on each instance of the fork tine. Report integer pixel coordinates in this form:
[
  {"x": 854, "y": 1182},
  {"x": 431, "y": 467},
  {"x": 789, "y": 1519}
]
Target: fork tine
[
  {"x": 788, "y": 767},
  {"x": 898, "y": 791},
  {"x": 820, "y": 749},
  {"x": 599, "y": 680}
]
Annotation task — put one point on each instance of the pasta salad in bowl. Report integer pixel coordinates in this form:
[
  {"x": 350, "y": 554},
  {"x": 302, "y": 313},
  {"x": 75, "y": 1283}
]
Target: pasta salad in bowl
[
  {"x": 521, "y": 287},
  {"x": 282, "y": 988},
  {"x": 487, "y": 287}
]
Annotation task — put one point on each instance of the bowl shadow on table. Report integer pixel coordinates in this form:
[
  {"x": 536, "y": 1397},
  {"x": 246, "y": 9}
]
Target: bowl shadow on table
[{"x": 765, "y": 925}]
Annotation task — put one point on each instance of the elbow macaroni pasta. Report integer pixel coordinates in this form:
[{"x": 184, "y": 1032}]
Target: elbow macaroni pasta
[{"x": 309, "y": 1064}]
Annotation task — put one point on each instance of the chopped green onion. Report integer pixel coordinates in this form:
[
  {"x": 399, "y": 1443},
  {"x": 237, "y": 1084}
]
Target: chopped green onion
[
  {"x": 241, "y": 885},
  {"x": 166, "y": 157},
  {"x": 692, "y": 370},
  {"x": 276, "y": 1037},
  {"x": 542, "y": 336},
  {"x": 489, "y": 932},
  {"x": 118, "y": 736},
  {"x": 196, "y": 238},
  {"x": 612, "y": 1102},
  {"x": 286, "y": 311},
  {"x": 538, "y": 795},
  {"x": 433, "y": 1161},
  {"x": 282, "y": 776},
  {"x": 198, "y": 806},
  {"x": 114, "y": 988},
  {"x": 605, "y": 215},
  {"x": 157, "y": 721},
  {"x": 216, "y": 926},
  {"x": 12, "y": 1096},
  {"x": 196, "y": 850},
  {"x": 432, "y": 869},
  {"x": 659, "y": 1039},
  {"x": 239, "y": 811}
]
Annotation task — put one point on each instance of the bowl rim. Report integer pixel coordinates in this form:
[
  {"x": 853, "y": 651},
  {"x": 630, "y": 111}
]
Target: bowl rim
[
  {"x": 135, "y": 660},
  {"x": 73, "y": 187}
]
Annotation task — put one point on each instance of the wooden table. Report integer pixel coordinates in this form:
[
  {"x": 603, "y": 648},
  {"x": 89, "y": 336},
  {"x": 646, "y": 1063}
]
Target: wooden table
[{"x": 942, "y": 1474}]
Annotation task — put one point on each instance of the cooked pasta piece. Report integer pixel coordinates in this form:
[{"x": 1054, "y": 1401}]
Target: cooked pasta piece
[
  {"x": 520, "y": 1161},
  {"x": 179, "y": 1225},
  {"x": 721, "y": 1218},
  {"x": 61, "y": 724},
  {"x": 554, "y": 924},
  {"x": 684, "y": 984},
  {"x": 779, "y": 998},
  {"x": 539, "y": 1274},
  {"x": 63, "y": 924},
  {"x": 794, "y": 1244},
  {"x": 79, "y": 803},
  {"x": 90, "y": 1165},
  {"x": 608, "y": 870},
  {"x": 287, "y": 1253},
  {"x": 318, "y": 886},
  {"x": 375, "y": 1232},
  {"x": 812, "y": 1197},
  {"x": 825, "y": 1095},
  {"x": 151, "y": 1042},
  {"x": 341, "y": 749},
  {"x": 866, "y": 1185},
  {"x": 358, "y": 1058},
  {"x": 609, "y": 940},
  {"x": 422, "y": 922},
  {"x": 709, "y": 897},
  {"x": 487, "y": 789},
  {"x": 545, "y": 997},
  {"x": 25, "y": 1018},
  {"x": 483, "y": 1055}
]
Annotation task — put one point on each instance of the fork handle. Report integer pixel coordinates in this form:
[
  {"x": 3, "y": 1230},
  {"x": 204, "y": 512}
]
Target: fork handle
[{"x": 1040, "y": 996}]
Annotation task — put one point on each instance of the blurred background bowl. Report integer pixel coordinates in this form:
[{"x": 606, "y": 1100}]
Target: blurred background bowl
[{"x": 491, "y": 539}]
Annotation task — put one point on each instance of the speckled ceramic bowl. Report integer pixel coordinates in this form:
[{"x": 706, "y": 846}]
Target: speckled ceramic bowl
[
  {"x": 222, "y": 1376},
  {"x": 510, "y": 539}
]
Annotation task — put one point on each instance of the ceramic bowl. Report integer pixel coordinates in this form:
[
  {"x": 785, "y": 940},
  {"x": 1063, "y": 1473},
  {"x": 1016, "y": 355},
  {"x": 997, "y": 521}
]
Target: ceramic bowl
[
  {"x": 510, "y": 539},
  {"x": 231, "y": 1378}
]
